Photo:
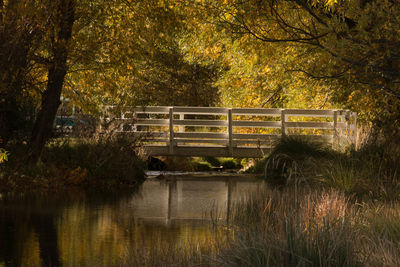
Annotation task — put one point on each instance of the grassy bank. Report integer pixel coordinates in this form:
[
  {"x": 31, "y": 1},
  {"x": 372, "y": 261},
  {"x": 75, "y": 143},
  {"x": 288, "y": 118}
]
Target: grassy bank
[
  {"x": 290, "y": 227},
  {"x": 320, "y": 207},
  {"x": 371, "y": 172},
  {"x": 312, "y": 228},
  {"x": 89, "y": 164}
]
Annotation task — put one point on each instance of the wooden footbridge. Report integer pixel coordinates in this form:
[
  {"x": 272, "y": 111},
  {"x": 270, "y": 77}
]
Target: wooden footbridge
[{"x": 230, "y": 132}]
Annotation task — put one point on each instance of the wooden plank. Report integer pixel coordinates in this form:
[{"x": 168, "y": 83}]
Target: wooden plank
[
  {"x": 201, "y": 123},
  {"x": 153, "y": 122},
  {"x": 309, "y": 124},
  {"x": 214, "y": 151},
  {"x": 257, "y": 136},
  {"x": 255, "y": 142},
  {"x": 257, "y": 111},
  {"x": 309, "y": 112},
  {"x": 155, "y": 140},
  {"x": 201, "y": 141},
  {"x": 201, "y": 110},
  {"x": 268, "y": 124},
  {"x": 201, "y": 135}
]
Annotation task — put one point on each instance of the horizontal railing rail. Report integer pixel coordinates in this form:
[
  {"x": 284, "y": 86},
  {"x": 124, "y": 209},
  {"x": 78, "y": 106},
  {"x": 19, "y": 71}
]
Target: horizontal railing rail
[{"x": 231, "y": 128}]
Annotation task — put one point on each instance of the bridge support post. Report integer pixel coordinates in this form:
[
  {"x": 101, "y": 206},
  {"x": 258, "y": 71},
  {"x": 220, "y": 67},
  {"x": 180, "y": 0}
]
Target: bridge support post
[
  {"x": 171, "y": 130},
  {"x": 230, "y": 133}
]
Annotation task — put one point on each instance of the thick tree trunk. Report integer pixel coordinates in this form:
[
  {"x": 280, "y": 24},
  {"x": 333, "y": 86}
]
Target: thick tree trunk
[
  {"x": 57, "y": 71},
  {"x": 48, "y": 110}
]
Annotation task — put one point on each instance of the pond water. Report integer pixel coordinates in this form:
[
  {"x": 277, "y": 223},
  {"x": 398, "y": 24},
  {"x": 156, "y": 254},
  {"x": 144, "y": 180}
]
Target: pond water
[{"x": 81, "y": 229}]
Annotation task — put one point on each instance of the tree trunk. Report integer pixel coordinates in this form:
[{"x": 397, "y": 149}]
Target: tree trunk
[{"x": 58, "y": 68}]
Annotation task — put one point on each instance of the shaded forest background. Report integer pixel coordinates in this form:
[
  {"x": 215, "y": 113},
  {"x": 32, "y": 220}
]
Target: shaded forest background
[{"x": 253, "y": 53}]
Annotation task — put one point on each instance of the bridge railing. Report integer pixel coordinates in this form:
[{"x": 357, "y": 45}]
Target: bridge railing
[{"x": 234, "y": 127}]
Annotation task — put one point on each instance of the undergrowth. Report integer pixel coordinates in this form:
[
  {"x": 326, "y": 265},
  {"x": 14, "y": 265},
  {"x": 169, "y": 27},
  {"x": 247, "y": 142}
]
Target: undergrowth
[
  {"x": 86, "y": 163},
  {"x": 373, "y": 171}
]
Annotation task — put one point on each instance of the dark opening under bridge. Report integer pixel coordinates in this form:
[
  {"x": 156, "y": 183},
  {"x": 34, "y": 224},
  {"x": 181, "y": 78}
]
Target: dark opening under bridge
[{"x": 230, "y": 132}]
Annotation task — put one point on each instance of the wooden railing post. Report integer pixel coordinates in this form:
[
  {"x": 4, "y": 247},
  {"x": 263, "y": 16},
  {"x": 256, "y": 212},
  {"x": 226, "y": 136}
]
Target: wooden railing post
[
  {"x": 171, "y": 130},
  {"x": 181, "y": 128},
  {"x": 335, "y": 142},
  {"x": 354, "y": 139},
  {"x": 283, "y": 121},
  {"x": 134, "y": 119},
  {"x": 230, "y": 142}
]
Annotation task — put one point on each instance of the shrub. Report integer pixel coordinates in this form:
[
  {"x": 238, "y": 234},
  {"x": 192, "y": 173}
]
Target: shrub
[
  {"x": 372, "y": 171},
  {"x": 178, "y": 163},
  {"x": 202, "y": 166},
  {"x": 111, "y": 161},
  {"x": 213, "y": 161},
  {"x": 293, "y": 160},
  {"x": 229, "y": 163}
]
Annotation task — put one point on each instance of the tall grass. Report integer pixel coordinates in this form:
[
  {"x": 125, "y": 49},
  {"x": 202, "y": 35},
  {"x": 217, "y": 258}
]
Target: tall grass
[
  {"x": 303, "y": 227},
  {"x": 370, "y": 172},
  {"x": 321, "y": 208},
  {"x": 275, "y": 228},
  {"x": 311, "y": 227}
]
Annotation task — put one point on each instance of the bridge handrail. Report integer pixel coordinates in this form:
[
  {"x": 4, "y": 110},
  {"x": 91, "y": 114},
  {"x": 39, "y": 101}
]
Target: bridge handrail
[{"x": 343, "y": 123}]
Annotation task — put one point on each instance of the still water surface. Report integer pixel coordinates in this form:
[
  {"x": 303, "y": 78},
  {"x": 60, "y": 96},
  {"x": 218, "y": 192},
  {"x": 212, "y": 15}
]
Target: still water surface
[{"x": 77, "y": 228}]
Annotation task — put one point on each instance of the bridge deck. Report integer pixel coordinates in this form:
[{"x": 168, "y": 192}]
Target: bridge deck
[{"x": 230, "y": 132}]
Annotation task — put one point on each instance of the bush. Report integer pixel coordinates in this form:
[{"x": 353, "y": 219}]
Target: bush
[
  {"x": 228, "y": 163},
  {"x": 372, "y": 171},
  {"x": 202, "y": 166},
  {"x": 178, "y": 163},
  {"x": 213, "y": 161},
  {"x": 106, "y": 162},
  {"x": 293, "y": 160}
]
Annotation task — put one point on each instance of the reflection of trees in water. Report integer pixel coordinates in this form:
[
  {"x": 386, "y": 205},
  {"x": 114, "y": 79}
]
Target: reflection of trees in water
[
  {"x": 98, "y": 229},
  {"x": 26, "y": 228},
  {"x": 37, "y": 230},
  {"x": 43, "y": 225},
  {"x": 8, "y": 247}
]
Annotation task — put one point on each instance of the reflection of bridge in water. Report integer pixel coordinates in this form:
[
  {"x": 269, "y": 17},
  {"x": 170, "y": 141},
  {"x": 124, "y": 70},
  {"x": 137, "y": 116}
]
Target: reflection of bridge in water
[
  {"x": 230, "y": 132},
  {"x": 190, "y": 197}
]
